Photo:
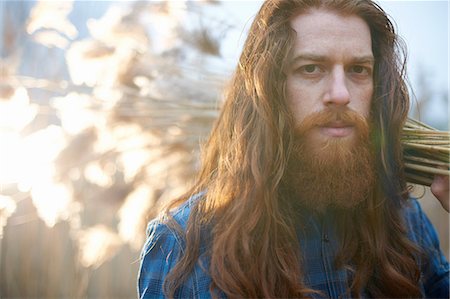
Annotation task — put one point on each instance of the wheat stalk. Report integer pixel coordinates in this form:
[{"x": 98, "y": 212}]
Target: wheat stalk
[{"x": 426, "y": 152}]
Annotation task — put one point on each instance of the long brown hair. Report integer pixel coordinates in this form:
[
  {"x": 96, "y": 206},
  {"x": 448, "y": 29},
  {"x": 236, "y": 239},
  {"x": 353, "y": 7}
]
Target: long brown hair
[{"x": 253, "y": 246}]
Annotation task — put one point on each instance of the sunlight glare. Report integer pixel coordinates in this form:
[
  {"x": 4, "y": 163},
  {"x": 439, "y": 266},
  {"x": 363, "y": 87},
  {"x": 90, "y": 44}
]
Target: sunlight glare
[
  {"x": 76, "y": 112},
  {"x": 132, "y": 215},
  {"x": 98, "y": 244},
  {"x": 95, "y": 174},
  {"x": 7, "y": 208}
]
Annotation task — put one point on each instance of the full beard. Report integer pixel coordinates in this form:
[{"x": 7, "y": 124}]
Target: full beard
[{"x": 325, "y": 171}]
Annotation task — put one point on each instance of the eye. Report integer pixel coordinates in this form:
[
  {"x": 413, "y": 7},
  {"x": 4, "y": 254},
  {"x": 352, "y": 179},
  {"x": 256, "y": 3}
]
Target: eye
[
  {"x": 310, "y": 69},
  {"x": 360, "y": 70}
]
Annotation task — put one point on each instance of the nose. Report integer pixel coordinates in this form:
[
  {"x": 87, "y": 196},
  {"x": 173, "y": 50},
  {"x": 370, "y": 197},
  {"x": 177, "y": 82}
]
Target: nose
[{"x": 337, "y": 93}]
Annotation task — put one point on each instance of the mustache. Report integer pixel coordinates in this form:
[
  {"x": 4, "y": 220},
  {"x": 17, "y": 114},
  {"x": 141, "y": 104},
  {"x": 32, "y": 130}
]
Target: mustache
[{"x": 327, "y": 117}]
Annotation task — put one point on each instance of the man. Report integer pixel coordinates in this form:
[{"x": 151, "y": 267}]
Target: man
[{"x": 302, "y": 190}]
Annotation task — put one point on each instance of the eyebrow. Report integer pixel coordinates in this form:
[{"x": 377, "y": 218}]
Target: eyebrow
[{"x": 322, "y": 58}]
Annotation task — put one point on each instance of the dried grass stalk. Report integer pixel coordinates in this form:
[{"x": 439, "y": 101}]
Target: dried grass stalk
[{"x": 426, "y": 152}]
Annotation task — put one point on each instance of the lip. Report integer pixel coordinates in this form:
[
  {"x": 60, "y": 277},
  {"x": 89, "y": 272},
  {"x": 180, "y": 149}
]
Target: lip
[{"x": 337, "y": 129}]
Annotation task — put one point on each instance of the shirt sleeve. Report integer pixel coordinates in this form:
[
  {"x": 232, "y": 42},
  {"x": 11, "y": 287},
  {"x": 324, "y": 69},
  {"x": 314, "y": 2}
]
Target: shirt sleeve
[
  {"x": 158, "y": 256},
  {"x": 435, "y": 267}
]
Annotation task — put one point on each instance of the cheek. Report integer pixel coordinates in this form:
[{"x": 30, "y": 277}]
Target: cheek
[
  {"x": 296, "y": 102},
  {"x": 290, "y": 93},
  {"x": 364, "y": 106},
  {"x": 367, "y": 102},
  {"x": 362, "y": 99}
]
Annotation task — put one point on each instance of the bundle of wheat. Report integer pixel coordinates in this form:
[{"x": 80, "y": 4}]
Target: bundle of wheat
[{"x": 426, "y": 152}]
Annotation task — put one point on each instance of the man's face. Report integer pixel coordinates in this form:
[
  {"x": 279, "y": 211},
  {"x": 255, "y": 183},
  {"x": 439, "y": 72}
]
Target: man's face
[
  {"x": 329, "y": 90},
  {"x": 330, "y": 71}
]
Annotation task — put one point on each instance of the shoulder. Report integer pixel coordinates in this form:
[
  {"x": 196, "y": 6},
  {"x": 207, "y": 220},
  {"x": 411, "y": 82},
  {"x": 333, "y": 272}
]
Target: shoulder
[
  {"x": 164, "y": 245},
  {"x": 181, "y": 214},
  {"x": 161, "y": 234},
  {"x": 419, "y": 227},
  {"x": 160, "y": 228},
  {"x": 434, "y": 265}
]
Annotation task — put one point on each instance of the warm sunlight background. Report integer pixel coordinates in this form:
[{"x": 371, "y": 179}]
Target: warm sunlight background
[{"x": 103, "y": 106}]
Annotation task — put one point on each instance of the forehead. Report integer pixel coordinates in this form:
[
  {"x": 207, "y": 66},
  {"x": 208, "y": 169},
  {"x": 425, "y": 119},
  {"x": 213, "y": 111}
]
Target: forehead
[{"x": 325, "y": 32}]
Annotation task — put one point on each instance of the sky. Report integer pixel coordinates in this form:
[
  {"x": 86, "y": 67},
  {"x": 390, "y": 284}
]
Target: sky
[
  {"x": 426, "y": 39},
  {"x": 423, "y": 25}
]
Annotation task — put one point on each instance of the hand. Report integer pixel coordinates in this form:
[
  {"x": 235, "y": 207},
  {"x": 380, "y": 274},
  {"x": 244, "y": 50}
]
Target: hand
[{"x": 439, "y": 188}]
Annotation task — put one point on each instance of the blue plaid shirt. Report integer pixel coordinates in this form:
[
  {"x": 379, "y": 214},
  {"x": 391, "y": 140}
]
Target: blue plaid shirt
[{"x": 319, "y": 244}]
